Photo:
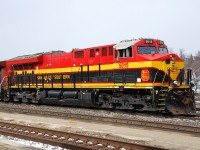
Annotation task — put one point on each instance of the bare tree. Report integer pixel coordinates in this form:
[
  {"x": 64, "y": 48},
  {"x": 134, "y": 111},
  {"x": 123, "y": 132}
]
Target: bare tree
[
  {"x": 198, "y": 54},
  {"x": 190, "y": 60},
  {"x": 182, "y": 53}
]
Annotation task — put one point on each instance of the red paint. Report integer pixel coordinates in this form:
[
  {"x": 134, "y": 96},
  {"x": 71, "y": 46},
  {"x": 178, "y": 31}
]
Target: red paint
[{"x": 63, "y": 60}]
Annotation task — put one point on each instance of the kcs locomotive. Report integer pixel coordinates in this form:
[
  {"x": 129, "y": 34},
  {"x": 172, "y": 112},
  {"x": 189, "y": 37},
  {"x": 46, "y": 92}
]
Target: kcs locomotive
[{"x": 138, "y": 74}]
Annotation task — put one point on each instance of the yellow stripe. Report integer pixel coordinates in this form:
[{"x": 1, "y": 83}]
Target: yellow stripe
[
  {"x": 99, "y": 85},
  {"x": 131, "y": 65},
  {"x": 160, "y": 65}
]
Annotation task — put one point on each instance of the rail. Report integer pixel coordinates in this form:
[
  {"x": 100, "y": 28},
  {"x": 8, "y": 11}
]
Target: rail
[{"x": 67, "y": 140}]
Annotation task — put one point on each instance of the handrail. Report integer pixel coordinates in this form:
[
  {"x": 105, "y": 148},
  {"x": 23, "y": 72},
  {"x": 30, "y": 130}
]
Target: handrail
[
  {"x": 155, "y": 76},
  {"x": 164, "y": 78}
]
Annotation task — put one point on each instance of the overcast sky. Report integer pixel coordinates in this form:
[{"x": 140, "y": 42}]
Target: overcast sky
[{"x": 32, "y": 26}]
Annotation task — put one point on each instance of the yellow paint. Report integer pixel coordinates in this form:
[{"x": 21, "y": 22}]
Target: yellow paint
[
  {"x": 160, "y": 65},
  {"x": 98, "y": 85},
  {"x": 131, "y": 65},
  {"x": 71, "y": 122}
]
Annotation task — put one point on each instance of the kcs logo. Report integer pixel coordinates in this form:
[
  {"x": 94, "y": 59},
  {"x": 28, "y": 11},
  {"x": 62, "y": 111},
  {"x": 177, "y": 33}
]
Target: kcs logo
[{"x": 145, "y": 75}]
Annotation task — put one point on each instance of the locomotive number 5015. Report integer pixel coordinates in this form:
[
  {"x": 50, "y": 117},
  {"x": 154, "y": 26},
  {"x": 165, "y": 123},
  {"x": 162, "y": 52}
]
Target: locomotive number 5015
[{"x": 123, "y": 65}]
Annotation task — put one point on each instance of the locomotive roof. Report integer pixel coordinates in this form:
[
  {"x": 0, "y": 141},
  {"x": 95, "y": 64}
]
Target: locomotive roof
[
  {"x": 125, "y": 44},
  {"x": 37, "y": 54}
]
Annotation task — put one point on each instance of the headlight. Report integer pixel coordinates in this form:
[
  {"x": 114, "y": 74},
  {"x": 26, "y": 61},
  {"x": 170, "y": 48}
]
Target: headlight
[
  {"x": 161, "y": 42},
  {"x": 173, "y": 59},
  {"x": 174, "y": 82}
]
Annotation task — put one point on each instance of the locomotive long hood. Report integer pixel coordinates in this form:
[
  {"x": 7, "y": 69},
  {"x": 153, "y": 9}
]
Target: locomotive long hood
[
  {"x": 2, "y": 63},
  {"x": 27, "y": 60}
]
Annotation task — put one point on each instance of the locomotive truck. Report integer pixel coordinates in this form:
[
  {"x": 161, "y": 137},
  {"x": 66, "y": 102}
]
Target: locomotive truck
[{"x": 138, "y": 74}]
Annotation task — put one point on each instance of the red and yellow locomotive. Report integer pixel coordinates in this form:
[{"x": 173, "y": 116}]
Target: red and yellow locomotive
[{"x": 136, "y": 74}]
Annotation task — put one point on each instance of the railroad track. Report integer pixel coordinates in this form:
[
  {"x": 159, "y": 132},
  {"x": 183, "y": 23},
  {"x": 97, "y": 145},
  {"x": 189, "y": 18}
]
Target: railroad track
[
  {"x": 67, "y": 140},
  {"x": 119, "y": 121}
]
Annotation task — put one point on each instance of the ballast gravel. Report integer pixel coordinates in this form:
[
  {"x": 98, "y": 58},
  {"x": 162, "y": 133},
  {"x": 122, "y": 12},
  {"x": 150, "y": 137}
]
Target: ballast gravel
[{"x": 151, "y": 117}]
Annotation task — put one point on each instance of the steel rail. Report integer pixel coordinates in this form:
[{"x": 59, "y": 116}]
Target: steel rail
[{"x": 67, "y": 140}]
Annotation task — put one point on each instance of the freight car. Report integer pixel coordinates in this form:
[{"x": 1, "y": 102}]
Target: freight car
[{"x": 138, "y": 74}]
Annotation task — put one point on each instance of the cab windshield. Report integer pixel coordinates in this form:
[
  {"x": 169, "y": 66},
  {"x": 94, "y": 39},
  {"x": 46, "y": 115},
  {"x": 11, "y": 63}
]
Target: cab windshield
[
  {"x": 162, "y": 50},
  {"x": 146, "y": 50}
]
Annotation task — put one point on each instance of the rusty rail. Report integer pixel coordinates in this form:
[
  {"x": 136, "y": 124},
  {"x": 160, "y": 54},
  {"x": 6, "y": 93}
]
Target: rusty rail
[{"x": 67, "y": 140}]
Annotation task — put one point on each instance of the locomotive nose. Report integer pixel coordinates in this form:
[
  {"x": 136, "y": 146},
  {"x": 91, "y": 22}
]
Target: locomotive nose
[{"x": 170, "y": 59}]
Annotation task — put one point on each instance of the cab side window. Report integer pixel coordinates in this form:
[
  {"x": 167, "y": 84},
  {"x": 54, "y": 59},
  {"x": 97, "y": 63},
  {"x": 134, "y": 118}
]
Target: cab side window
[{"x": 124, "y": 53}]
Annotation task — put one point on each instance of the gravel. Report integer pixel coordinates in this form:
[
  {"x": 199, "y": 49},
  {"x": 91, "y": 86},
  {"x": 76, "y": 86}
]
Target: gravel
[{"x": 169, "y": 119}]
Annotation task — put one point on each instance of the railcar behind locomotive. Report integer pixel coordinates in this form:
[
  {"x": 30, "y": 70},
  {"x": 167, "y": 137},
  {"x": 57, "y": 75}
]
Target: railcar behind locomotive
[{"x": 138, "y": 74}]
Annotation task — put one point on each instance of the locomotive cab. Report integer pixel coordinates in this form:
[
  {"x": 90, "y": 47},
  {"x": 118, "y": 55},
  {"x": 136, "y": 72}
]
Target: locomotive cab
[{"x": 158, "y": 72}]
